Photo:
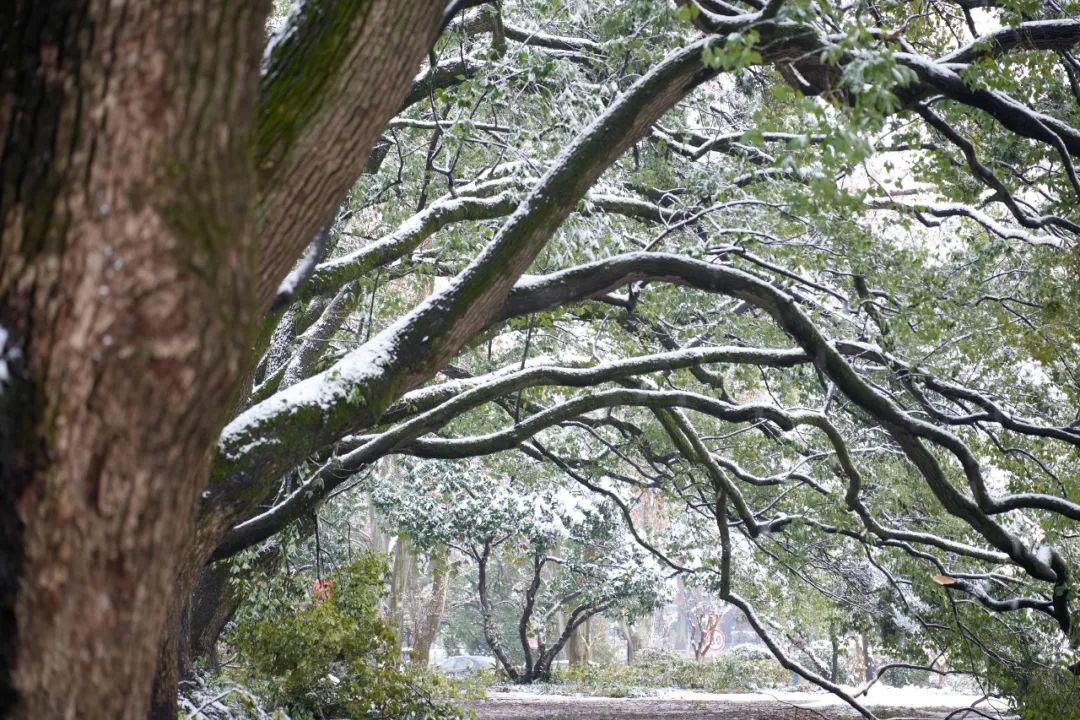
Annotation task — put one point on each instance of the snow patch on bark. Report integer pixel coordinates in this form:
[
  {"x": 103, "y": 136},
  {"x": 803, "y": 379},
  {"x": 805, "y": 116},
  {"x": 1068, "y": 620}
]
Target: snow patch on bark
[
  {"x": 5, "y": 375},
  {"x": 281, "y": 32},
  {"x": 323, "y": 392}
]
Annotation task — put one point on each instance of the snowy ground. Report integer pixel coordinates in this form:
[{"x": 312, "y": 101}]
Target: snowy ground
[{"x": 687, "y": 705}]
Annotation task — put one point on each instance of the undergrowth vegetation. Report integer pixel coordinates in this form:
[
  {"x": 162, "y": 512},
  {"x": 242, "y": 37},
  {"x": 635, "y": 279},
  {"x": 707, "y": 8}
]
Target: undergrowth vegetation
[
  {"x": 326, "y": 651},
  {"x": 744, "y": 670}
]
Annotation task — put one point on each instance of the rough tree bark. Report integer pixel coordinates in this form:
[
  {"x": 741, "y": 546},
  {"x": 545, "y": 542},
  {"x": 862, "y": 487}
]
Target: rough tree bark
[
  {"x": 213, "y": 603},
  {"x": 141, "y": 150},
  {"x": 215, "y": 600},
  {"x": 123, "y": 280}
]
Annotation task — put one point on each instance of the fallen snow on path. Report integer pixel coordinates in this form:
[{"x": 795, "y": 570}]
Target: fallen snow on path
[{"x": 880, "y": 696}]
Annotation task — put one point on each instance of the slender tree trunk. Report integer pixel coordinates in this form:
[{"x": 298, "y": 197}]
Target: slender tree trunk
[
  {"x": 705, "y": 633},
  {"x": 380, "y": 542},
  {"x": 941, "y": 664},
  {"x": 546, "y": 654},
  {"x": 864, "y": 660},
  {"x": 399, "y": 582},
  {"x": 636, "y": 640},
  {"x": 869, "y": 664},
  {"x": 834, "y": 658},
  {"x": 429, "y": 628},
  {"x": 491, "y": 631},
  {"x": 679, "y": 642}
]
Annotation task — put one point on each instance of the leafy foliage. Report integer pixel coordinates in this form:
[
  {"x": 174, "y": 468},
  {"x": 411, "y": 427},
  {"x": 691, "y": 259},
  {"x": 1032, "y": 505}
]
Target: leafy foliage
[
  {"x": 732, "y": 672},
  {"x": 909, "y": 484},
  {"x": 330, "y": 653}
]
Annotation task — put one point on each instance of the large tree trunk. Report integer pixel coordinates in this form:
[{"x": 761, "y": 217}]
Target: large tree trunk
[
  {"x": 173, "y": 662},
  {"x": 215, "y": 600},
  {"x": 139, "y": 174},
  {"x": 124, "y": 294},
  {"x": 213, "y": 603},
  {"x": 137, "y": 171}
]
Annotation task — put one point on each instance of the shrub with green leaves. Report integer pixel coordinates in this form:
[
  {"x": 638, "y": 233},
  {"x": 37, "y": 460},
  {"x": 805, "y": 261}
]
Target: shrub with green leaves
[
  {"x": 328, "y": 652},
  {"x": 1045, "y": 693},
  {"x": 730, "y": 672}
]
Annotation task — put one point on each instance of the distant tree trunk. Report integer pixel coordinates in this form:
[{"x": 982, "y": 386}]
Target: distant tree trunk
[
  {"x": 546, "y": 654},
  {"x": 864, "y": 659},
  {"x": 870, "y": 664},
  {"x": 941, "y": 664},
  {"x": 636, "y": 640},
  {"x": 579, "y": 646},
  {"x": 834, "y": 656},
  {"x": 679, "y": 642},
  {"x": 380, "y": 542},
  {"x": 858, "y": 662},
  {"x": 399, "y": 582},
  {"x": 704, "y": 632},
  {"x": 491, "y": 631},
  {"x": 428, "y": 630}
]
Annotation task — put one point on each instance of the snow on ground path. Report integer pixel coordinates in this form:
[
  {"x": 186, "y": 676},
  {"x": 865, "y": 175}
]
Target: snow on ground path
[
  {"x": 689, "y": 705},
  {"x": 879, "y": 696}
]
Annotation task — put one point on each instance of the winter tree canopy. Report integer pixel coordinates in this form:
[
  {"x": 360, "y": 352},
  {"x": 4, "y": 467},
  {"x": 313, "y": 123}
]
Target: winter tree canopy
[{"x": 776, "y": 299}]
